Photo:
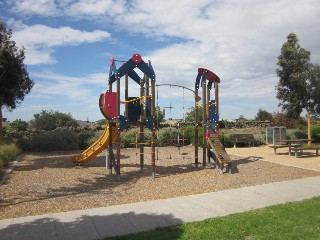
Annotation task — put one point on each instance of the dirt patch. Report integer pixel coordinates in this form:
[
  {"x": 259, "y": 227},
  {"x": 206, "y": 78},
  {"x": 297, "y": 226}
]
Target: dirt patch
[{"x": 46, "y": 183}]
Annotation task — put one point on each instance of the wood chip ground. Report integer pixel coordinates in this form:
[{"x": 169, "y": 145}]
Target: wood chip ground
[{"x": 49, "y": 182}]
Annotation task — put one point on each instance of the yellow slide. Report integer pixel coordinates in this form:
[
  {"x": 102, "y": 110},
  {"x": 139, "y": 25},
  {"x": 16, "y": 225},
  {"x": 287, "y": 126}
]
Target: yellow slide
[{"x": 96, "y": 147}]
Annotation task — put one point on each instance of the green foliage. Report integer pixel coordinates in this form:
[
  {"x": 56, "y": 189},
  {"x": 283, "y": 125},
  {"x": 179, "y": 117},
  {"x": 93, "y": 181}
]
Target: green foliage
[
  {"x": 167, "y": 136},
  {"x": 293, "y": 70},
  {"x": 189, "y": 133},
  {"x": 242, "y": 118},
  {"x": 14, "y": 78},
  {"x": 159, "y": 116},
  {"x": 296, "y": 134},
  {"x": 224, "y": 124},
  {"x": 57, "y": 140},
  {"x": 190, "y": 116},
  {"x": 18, "y": 125},
  {"x": 50, "y": 120},
  {"x": 101, "y": 122},
  {"x": 280, "y": 119},
  {"x": 24, "y": 144},
  {"x": 84, "y": 139},
  {"x": 315, "y": 133},
  {"x": 263, "y": 115},
  {"x": 95, "y": 136},
  {"x": 8, "y": 153},
  {"x": 225, "y": 139}
]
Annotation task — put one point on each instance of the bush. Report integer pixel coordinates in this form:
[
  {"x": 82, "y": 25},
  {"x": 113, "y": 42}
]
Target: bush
[
  {"x": 85, "y": 139},
  {"x": 24, "y": 144},
  {"x": 225, "y": 139},
  {"x": 166, "y": 136},
  {"x": 315, "y": 133},
  {"x": 296, "y": 134},
  {"x": 189, "y": 133},
  {"x": 57, "y": 140},
  {"x": 8, "y": 153}
]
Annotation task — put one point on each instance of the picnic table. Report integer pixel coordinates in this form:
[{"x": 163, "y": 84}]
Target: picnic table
[{"x": 290, "y": 143}]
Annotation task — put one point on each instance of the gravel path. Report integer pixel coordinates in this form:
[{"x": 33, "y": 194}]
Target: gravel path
[{"x": 45, "y": 183}]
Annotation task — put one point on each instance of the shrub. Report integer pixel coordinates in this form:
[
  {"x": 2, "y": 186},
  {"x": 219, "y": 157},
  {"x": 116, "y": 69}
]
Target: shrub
[
  {"x": 315, "y": 133},
  {"x": 57, "y": 140},
  {"x": 128, "y": 138},
  {"x": 84, "y": 139},
  {"x": 24, "y": 144},
  {"x": 296, "y": 134},
  {"x": 8, "y": 153},
  {"x": 166, "y": 137},
  {"x": 225, "y": 139}
]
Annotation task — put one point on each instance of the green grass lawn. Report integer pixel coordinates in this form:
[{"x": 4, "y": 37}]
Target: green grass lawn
[{"x": 299, "y": 220}]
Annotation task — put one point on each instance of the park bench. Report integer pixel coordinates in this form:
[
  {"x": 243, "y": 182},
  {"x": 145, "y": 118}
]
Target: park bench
[
  {"x": 299, "y": 150},
  {"x": 242, "y": 138}
]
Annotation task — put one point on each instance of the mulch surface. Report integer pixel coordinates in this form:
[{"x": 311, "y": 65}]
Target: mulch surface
[{"x": 49, "y": 182}]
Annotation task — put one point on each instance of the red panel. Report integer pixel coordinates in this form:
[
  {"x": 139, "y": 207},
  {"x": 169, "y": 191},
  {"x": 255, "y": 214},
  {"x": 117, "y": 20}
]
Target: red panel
[
  {"x": 110, "y": 104},
  {"x": 136, "y": 58},
  {"x": 212, "y": 77}
]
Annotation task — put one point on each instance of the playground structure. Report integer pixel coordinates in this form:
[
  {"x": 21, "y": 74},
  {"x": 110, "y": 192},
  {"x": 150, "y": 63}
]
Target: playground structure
[
  {"x": 210, "y": 122},
  {"x": 140, "y": 111}
]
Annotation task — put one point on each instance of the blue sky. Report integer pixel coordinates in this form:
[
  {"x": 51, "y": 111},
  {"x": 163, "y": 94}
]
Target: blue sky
[{"x": 69, "y": 43}]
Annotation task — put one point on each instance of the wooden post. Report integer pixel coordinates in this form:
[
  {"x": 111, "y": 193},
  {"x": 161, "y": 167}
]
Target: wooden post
[
  {"x": 109, "y": 148},
  {"x": 216, "y": 97},
  {"x": 118, "y": 132},
  {"x": 207, "y": 114},
  {"x": 196, "y": 130},
  {"x": 141, "y": 133},
  {"x": 204, "y": 120},
  {"x": 153, "y": 141},
  {"x": 126, "y": 95},
  {"x": 309, "y": 127}
]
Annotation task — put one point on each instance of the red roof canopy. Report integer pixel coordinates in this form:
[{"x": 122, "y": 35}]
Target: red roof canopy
[{"x": 212, "y": 77}]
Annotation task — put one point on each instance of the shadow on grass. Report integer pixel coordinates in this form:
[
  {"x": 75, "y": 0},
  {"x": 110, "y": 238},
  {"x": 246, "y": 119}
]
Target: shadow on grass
[{"x": 93, "y": 224}]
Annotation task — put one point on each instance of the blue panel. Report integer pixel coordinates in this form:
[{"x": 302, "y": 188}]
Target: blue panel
[
  {"x": 147, "y": 70},
  {"x": 123, "y": 123},
  {"x": 133, "y": 75},
  {"x": 213, "y": 116},
  {"x": 198, "y": 81},
  {"x": 149, "y": 123}
]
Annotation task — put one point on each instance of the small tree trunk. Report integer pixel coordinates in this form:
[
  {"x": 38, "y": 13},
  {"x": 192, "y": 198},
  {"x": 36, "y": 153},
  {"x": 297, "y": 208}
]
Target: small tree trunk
[
  {"x": 309, "y": 127},
  {"x": 1, "y": 132}
]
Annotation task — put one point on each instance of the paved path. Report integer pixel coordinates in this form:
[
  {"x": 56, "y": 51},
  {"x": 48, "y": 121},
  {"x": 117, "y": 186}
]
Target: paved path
[{"x": 130, "y": 218}]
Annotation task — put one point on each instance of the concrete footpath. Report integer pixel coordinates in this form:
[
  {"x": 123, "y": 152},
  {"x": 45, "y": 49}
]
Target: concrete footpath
[{"x": 98, "y": 223}]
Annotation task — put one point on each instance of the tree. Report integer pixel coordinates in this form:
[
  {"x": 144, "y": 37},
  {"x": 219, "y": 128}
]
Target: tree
[
  {"x": 263, "y": 115},
  {"x": 14, "y": 77},
  {"x": 19, "y": 125},
  {"x": 50, "y": 120},
  {"x": 190, "y": 116},
  {"x": 159, "y": 116},
  {"x": 297, "y": 84}
]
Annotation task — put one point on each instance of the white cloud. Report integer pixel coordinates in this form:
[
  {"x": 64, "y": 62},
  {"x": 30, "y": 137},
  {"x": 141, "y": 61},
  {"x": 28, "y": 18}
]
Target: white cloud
[
  {"x": 40, "y": 40},
  {"x": 239, "y": 40},
  {"x": 41, "y": 7}
]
